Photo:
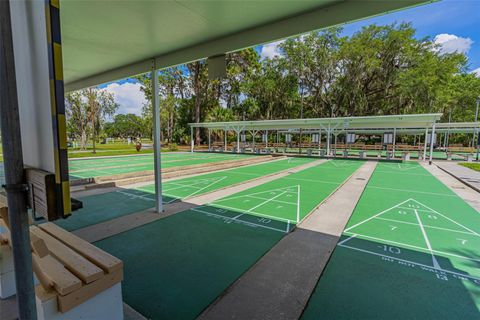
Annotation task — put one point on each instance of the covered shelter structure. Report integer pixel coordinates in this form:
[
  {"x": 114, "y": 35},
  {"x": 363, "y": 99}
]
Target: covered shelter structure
[
  {"x": 49, "y": 47},
  {"x": 326, "y": 126}
]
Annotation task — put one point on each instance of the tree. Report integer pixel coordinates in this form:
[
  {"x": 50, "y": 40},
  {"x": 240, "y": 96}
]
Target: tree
[
  {"x": 86, "y": 112},
  {"x": 77, "y": 117},
  {"x": 100, "y": 105}
]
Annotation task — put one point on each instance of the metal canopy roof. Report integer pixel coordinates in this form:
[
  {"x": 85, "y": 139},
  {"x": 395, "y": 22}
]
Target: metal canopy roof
[
  {"x": 371, "y": 122},
  {"x": 450, "y": 127},
  {"x": 107, "y": 40}
]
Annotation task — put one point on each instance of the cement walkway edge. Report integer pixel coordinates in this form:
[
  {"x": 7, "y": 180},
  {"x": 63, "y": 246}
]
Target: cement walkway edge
[
  {"x": 279, "y": 285},
  {"x": 465, "y": 175},
  {"x": 112, "y": 227},
  {"x": 469, "y": 195}
]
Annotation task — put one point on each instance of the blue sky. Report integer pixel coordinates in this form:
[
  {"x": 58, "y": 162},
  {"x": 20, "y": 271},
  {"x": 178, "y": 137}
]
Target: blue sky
[{"x": 453, "y": 24}]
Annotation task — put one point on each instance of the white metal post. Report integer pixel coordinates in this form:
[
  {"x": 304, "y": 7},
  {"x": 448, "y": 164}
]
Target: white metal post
[
  {"x": 432, "y": 134},
  {"x": 266, "y": 138},
  {"x": 425, "y": 144},
  {"x": 238, "y": 141},
  {"x": 209, "y": 139},
  {"x": 319, "y": 141},
  {"x": 225, "y": 141},
  {"x": 328, "y": 140},
  {"x": 191, "y": 139},
  {"x": 394, "y": 139},
  {"x": 157, "y": 143}
]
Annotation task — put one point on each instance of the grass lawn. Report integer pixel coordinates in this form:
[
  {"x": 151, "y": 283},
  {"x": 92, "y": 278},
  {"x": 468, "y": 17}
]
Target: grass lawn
[
  {"x": 473, "y": 166},
  {"x": 111, "y": 149}
]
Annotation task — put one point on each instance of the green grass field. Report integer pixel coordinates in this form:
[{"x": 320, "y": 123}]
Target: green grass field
[
  {"x": 473, "y": 166},
  {"x": 409, "y": 251},
  {"x": 204, "y": 250}
]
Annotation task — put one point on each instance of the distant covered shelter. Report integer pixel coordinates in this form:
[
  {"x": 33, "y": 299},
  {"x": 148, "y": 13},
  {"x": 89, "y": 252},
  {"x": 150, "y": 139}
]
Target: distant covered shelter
[{"x": 327, "y": 126}]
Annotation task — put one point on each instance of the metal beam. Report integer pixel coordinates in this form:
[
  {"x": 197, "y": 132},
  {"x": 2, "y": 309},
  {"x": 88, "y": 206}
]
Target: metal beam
[
  {"x": 157, "y": 143},
  {"x": 14, "y": 173}
]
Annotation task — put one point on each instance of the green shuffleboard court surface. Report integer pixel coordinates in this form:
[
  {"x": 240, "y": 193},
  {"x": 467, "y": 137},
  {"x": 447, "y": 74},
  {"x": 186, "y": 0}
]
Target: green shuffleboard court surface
[
  {"x": 194, "y": 186},
  {"x": 175, "y": 267},
  {"x": 88, "y": 168},
  {"x": 107, "y": 206},
  {"x": 284, "y": 202},
  {"x": 409, "y": 251}
]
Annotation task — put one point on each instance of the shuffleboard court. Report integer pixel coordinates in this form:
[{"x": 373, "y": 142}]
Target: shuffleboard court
[
  {"x": 282, "y": 203},
  {"x": 202, "y": 251},
  {"x": 410, "y": 250},
  {"x": 107, "y": 206},
  {"x": 194, "y": 186},
  {"x": 105, "y": 166}
]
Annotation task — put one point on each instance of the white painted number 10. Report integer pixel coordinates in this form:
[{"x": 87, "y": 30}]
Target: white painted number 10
[{"x": 391, "y": 249}]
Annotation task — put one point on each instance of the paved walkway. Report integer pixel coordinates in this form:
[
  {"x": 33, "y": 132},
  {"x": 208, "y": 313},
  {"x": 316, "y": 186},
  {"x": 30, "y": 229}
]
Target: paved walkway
[
  {"x": 279, "y": 285},
  {"x": 468, "y": 176},
  {"x": 469, "y": 195}
]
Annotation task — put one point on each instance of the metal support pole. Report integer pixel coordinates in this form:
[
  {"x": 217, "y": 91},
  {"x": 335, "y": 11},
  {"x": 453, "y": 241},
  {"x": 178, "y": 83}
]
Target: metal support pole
[
  {"x": 476, "y": 120},
  {"x": 14, "y": 174},
  {"x": 319, "y": 141},
  {"x": 266, "y": 138},
  {"x": 425, "y": 144},
  {"x": 394, "y": 140},
  {"x": 238, "y": 141},
  {"x": 157, "y": 143},
  {"x": 478, "y": 143},
  {"x": 328, "y": 141},
  {"x": 335, "y": 145},
  {"x": 191, "y": 139},
  {"x": 431, "y": 143},
  {"x": 209, "y": 140},
  {"x": 225, "y": 140}
]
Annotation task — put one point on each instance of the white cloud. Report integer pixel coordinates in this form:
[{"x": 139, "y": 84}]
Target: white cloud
[
  {"x": 476, "y": 72},
  {"x": 449, "y": 43},
  {"x": 271, "y": 50},
  {"x": 128, "y": 96}
]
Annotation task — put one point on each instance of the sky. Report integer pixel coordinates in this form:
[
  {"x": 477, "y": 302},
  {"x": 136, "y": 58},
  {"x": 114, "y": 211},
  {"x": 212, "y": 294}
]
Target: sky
[{"x": 453, "y": 24}]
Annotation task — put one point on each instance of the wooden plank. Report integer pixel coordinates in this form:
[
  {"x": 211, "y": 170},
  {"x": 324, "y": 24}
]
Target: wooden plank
[
  {"x": 42, "y": 196},
  {"x": 97, "y": 256},
  {"x": 44, "y": 280},
  {"x": 70, "y": 301},
  {"x": 75, "y": 263},
  {"x": 63, "y": 280}
]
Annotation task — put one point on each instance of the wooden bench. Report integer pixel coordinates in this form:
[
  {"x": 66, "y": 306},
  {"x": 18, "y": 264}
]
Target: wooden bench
[{"x": 76, "y": 280}]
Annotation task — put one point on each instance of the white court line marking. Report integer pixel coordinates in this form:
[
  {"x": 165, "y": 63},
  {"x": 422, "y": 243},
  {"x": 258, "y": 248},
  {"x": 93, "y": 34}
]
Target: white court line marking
[
  {"x": 279, "y": 201},
  {"x": 135, "y": 196},
  {"x": 427, "y": 241},
  {"x": 207, "y": 186},
  {"x": 407, "y": 261},
  {"x": 412, "y": 246},
  {"x": 261, "y": 204},
  {"x": 298, "y": 203},
  {"x": 252, "y": 212},
  {"x": 446, "y": 217},
  {"x": 311, "y": 180},
  {"x": 255, "y": 193},
  {"x": 427, "y": 226},
  {"x": 234, "y": 219},
  {"x": 345, "y": 240},
  {"x": 422, "y": 192},
  {"x": 374, "y": 216}
]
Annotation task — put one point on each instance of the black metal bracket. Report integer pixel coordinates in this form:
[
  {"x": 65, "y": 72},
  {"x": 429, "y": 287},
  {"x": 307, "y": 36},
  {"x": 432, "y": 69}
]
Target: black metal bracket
[{"x": 15, "y": 188}]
